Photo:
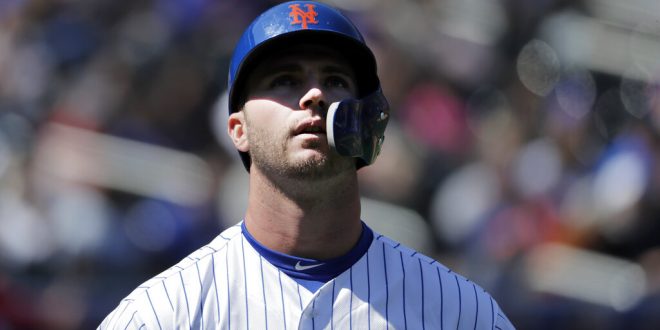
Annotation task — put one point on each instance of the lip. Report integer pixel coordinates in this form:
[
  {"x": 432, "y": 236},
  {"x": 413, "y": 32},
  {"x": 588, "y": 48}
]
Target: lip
[{"x": 306, "y": 125}]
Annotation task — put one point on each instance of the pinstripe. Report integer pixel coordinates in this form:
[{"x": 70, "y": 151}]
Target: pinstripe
[
  {"x": 368, "y": 294},
  {"x": 117, "y": 315},
  {"x": 350, "y": 303},
  {"x": 387, "y": 289},
  {"x": 185, "y": 294},
  {"x": 131, "y": 320},
  {"x": 492, "y": 313},
  {"x": 332, "y": 310},
  {"x": 396, "y": 288},
  {"x": 299, "y": 297},
  {"x": 313, "y": 314},
  {"x": 442, "y": 308},
  {"x": 168, "y": 295},
  {"x": 460, "y": 300},
  {"x": 499, "y": 315},
  {"x": 476, "y": 304},
  {"x": 228, "y": 289},
  {"x": 279, "y": 278},
  {"x": 247, "y": 309},
  {"x": 153, "y": 309},
  {"x": 421, "y": 279},
  {"x": 502, "y": 317},
  {"x": 215, "y": 284},
  {"x": 201, "y": 294},
  {"x": 263, "y": 290},
  {"x": 403, "y": 271}
]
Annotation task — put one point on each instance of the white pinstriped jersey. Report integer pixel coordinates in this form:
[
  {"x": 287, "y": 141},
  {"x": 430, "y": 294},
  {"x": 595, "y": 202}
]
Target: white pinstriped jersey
[{"x": 228, "y": 285}]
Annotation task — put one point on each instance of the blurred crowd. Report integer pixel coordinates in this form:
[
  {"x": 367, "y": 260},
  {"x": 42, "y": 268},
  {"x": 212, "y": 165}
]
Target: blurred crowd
[{"x": 523, "y": 149}]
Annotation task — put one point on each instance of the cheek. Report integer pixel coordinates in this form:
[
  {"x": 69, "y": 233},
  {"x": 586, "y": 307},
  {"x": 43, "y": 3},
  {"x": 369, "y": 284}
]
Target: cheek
[
  {"x": 287, "y": 99},
  {"x": 266, "y": 118}
]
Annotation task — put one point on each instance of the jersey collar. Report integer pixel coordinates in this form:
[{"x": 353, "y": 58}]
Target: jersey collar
[{"x": 313, "y": 269}]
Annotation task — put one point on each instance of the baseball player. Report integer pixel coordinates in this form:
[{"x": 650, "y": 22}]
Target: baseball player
[{"x": 306, "y": 112}]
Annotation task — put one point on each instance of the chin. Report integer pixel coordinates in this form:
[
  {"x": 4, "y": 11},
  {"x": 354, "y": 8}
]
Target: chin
[
  {"x": 314, "y": 162},
  {"x": 319, "y": 165},
  {"x": 310, "y": 155}
]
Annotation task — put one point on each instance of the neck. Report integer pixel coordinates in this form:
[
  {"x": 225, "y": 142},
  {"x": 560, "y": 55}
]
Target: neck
[{"x": 312, "y": 219}]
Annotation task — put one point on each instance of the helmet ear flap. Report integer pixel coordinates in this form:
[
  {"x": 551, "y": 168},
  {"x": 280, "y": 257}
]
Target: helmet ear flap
[{"x": 356, "y": 128}]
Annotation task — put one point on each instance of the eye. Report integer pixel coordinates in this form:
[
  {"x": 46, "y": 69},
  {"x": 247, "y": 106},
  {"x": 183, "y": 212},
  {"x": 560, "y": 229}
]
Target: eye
[
  {"x": 285, "y": 80},
  {"x": 336, "y": 81}
]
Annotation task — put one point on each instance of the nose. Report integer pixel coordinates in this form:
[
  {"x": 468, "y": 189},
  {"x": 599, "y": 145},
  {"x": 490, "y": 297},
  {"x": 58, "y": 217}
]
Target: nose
[{"x": 314, "y": 100}]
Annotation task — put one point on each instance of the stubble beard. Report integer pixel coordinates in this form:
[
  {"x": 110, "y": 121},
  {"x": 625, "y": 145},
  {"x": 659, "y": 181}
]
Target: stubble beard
[{"x": 273, "y": 157}]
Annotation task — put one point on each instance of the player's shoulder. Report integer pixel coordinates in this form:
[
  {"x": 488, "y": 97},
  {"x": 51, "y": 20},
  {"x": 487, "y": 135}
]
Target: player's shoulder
[
  {"x": 224, "y": 238},
  {"x": 406, "y": 253},
  {"x": 412, "y": 258},
  {"x": 140, "y": 295},
  {"x": 450, "y": 283},
  {"x": 157, "y": 297},
  {"x": 419, "y": 259}
]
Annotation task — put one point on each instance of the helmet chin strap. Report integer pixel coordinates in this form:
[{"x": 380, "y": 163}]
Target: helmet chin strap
[{"x": 356, "y": 128}]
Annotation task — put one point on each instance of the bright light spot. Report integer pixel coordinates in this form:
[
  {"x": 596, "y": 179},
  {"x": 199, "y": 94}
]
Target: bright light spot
[
  {"x": 80, "y": 220},
  {"x": 627, "y": 287},
  {"x": 25, "y": 237},
  {"x": 401, "y": 224},
  {"x": 537, "y": 168},
  {"x": 585, "y": 275},
  {"x": 538, "y": 67},
  {"x": 619, "y": 184},
  {"x": 644, "y": 43},
  {"x": 462, "y": 201},
  {"x": 635, "y": 94},
  {"x": 576, "y": 93}
]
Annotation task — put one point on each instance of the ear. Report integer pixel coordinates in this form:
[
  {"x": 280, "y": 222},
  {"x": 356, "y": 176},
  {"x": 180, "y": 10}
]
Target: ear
[{"x": 237, "y": 131}]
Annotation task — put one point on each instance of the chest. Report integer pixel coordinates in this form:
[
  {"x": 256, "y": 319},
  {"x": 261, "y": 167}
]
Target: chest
[{"x": 378, "y": 292}]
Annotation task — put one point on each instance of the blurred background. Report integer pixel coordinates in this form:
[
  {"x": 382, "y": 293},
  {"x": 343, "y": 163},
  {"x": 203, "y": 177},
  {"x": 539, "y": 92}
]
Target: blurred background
[{"x": 523, "y": 149}]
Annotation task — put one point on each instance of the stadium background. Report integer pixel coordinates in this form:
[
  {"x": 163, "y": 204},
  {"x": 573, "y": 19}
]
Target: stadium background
[{"x": 523, "y": 149}]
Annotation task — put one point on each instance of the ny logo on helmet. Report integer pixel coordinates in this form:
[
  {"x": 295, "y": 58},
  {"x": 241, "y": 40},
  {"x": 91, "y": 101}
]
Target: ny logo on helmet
[{"x": 303, "y": 17}]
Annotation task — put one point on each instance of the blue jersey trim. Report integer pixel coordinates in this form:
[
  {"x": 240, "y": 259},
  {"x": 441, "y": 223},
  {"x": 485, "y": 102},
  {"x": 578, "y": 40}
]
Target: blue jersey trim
[{"x": 312, "y": 269}]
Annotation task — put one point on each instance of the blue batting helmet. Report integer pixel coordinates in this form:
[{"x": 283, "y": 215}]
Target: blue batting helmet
[{"x": 305, "y": 22}]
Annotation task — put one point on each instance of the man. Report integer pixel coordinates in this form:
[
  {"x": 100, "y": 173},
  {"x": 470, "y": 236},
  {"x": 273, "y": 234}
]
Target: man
[{"x": 306, "y": 111}]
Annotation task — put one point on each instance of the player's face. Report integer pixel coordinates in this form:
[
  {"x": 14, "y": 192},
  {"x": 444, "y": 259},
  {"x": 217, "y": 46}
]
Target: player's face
[{"x": 287, "y": 100}]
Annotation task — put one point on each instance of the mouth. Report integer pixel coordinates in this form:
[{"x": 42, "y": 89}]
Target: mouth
[{"x": 312, "y": 126}]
